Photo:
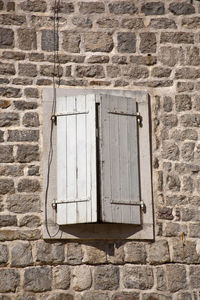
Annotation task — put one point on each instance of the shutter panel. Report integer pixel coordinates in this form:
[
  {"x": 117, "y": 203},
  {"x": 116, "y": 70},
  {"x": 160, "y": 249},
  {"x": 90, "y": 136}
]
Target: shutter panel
[
  {"x": 76, "y": 160},
  {"x": 119, "y": 161}
]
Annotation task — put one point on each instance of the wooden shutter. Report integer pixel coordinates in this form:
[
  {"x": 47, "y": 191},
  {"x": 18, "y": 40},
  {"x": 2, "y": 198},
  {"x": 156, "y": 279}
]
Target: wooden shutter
[
  {"x": 76, "y": 160},
  {"x": 120, "y": 191}
]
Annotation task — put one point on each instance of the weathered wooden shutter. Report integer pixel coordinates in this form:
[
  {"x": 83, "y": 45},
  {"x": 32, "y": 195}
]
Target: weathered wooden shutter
[
  {"x": 120, "y": 191},
  {"x": 76, "y": 160}
]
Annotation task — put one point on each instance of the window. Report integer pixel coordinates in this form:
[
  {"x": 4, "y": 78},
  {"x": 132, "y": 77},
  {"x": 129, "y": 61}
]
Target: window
[{"x": 99, "y": 184}]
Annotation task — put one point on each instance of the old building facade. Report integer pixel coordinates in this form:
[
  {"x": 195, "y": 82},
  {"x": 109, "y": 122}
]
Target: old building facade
[{"x": 141, "y": 45}]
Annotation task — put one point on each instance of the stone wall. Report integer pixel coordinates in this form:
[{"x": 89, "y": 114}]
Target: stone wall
[{"x": 140, "y": 45}]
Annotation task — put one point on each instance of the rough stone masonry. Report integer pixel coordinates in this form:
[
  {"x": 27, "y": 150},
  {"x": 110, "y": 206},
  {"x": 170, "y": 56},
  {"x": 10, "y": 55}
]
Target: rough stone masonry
[{"x": 151, "y": 45}]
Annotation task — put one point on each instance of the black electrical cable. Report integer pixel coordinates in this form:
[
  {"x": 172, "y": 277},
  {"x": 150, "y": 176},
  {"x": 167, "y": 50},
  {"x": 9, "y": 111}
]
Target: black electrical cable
[{"x": 56, "y": 66}]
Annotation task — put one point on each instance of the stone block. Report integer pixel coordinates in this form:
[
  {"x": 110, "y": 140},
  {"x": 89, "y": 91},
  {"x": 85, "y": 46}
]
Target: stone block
[
  {"x": 187, "y": 151},
  {"x": 107, "y": 23},
  {"x": 28, "y": 185},
  {"x": 191, "y": 23},
  {"x": 49, "y": 253},
  {"x": 135, "y": 72},
  {"x": 22, "y": 81},
  {"x": 161, "y": 72},
  {"x": 187, "y": 73},
  {"x": 10, "y": 92},
  {"x": 49, "y": 41},
  {"x": 36, "y": 56},
  {"x": 74, "y": 254},
  {"x": 6, "y": 38},
  {"x": 27, "y": 153},
  {"x": 23, "y": 203},
  {"x": 31, "y": 119},
  {"x": 153, "y": 8},
  {"x": 6, "y": 154},
  {"x": 3, "y": 254},
  {"x": 162, "y": 23},
  {"x": 113, "y": 71},
  {"x": 21, "y": 255},
  {"x": 148, "y": 60},
  {"x": 167, "y": 104},
  {"x": 91, "y": 7},
  {"x": 6, "y": 186},
  {"x": 115, "y": 253},
  {"x": 31, "y": 92},
  {"x": 34, "y": 6},
  {"x": 66, "y": 8},
  {"x": 158, "y": 252},
  {"x": 27, "y": 39},
  {"x": 95, "y": 295},
  {"x": 133, "y": 23},
  {"x": 126, "y": 296},
  {"x": 106, "y": 278},
  {"x": 173, "y": 182},
  {"x": 169, "y": 120},
  {"x": 98, "y": 59},
  {"x": 148, "y": 42},
  {"x": 71, "y": 41},
  {"x": 50, "y": 70},
  {"x": 95, "y": 71},
  {"x": 192, "y": 56},
  {"x": 29, "y": 70},
  {"x": 181, "y": 8},
  {"x": 161, "y": 279},
  {"x": 122, "y": 7},
  {"x": 9, "y": 280},
  {"x": 121, "y": 60},
  {"x": 37, "y": 279},
  {"x": 135, "y": 253},
  {"x": 94, "y": 253},
  {"x": 23, "y": 135},
  {"x": 194, "y": 230},
  {"x": 177, "y": 37},
  {"x": 188, "y": 184},
  {"x": 165, "y": 213},
  {"x": 1, "y": 5},
  {"x": 126, "y": 42},
  {"x": 30, "y": 221},
  {"x": 137, "y": 277},
  {"x": 169, "y": 56},
  {"x": 33, "y": 170},
  {"x": 184, "y": 296},
  {"x": 98, "y": 42},
  {"x": 9, "y": 119},
  {"x": 194, "y": 277},
  {"x": 7, "y": 69},
  {"x": 82, "y": 22},
  {"x": 155, "y": 296},
  {"x": 8, "y": 220},
  {"x": 183, "y": 102},
  {"x": 82, "y": 278},
  {"x": 62, "y": 277},
  {"x": 174, "y": 229},
  {"x": 184, "y": 251},
  {"x": 24, "y": 105},
  {"x": 176, "y": 277},
  {"x": 183, "y": 86},
  {"x": 10, "y": 6},
  {"x": 15, "y": 55},
  {"x": 170, "y": 151}
]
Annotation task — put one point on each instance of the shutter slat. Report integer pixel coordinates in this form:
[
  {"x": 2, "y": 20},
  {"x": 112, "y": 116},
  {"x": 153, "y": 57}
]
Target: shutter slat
[
  {"x": 76, "y": 160},
  {"x": 121, "y": 196}
]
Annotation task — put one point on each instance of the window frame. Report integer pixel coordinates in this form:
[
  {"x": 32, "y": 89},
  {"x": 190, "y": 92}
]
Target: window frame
[{"x": 98, "y": 231}]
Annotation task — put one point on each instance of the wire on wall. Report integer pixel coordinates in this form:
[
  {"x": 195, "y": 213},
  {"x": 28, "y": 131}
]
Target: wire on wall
[{"x": 55, "y": 75}]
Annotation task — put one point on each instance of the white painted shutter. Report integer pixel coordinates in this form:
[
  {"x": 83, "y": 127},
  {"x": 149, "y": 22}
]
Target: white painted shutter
[
  {"x": 76, "y": 160},
  {"x": 120, "y": 190}
]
